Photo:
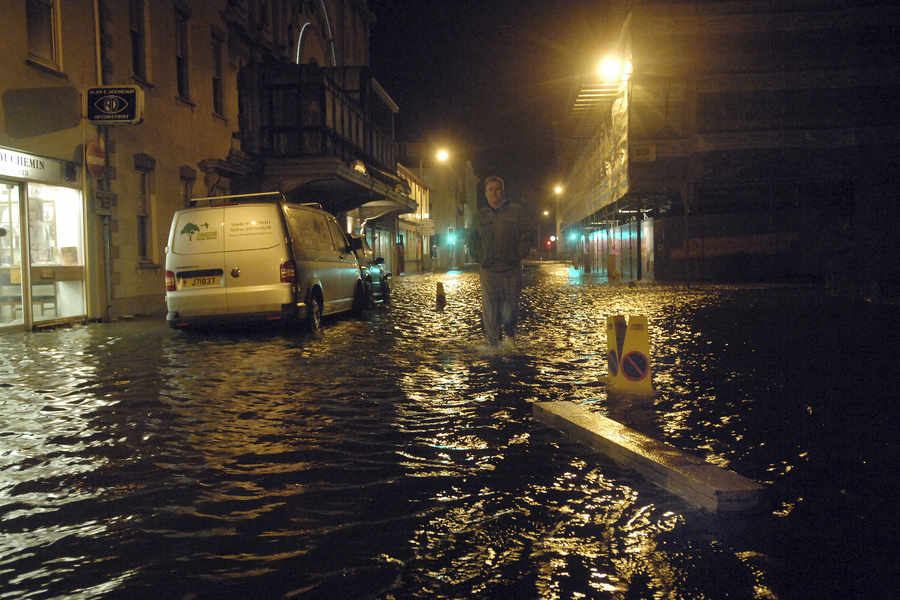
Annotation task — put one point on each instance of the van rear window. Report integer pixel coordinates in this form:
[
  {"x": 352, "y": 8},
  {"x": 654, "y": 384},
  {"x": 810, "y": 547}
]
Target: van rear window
[
  {"x": 309, "y": 231},
  {"x": 252, "y": 227},
  {"x": 198, "y": 231}
]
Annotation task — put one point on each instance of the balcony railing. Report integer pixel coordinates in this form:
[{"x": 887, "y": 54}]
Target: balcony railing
[{"x": 296, "y": 111}]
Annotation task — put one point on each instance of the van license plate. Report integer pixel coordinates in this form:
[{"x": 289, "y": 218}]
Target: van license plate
[{"x": 201, "y": 282}]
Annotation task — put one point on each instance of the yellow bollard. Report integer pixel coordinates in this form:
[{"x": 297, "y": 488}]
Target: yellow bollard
[
  {"x": 615, "y": 331},
  {"x": 632, "y": 355},
  {"x": 441, "y": 296}
]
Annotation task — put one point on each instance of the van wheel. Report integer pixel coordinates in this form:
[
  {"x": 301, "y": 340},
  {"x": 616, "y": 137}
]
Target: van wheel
[
  {"x": 362, "y": 299},
  {"x": 314, "y": 316}
]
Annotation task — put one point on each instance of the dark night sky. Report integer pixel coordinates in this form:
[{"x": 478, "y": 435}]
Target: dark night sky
[{"x": 490, "y": 76}]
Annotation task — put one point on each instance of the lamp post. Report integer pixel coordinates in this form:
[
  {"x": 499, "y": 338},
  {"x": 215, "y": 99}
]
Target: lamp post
[
  {"x": 442, "y": 155},
  {"x": 543, "y": 248},
  {"x": 558, "y": 189},
  {"x": 449, "y": 193}
]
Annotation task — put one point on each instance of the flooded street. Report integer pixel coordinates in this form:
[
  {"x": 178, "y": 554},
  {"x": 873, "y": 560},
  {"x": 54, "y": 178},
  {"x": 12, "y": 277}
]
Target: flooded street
[{"x": 394, "y": 458}]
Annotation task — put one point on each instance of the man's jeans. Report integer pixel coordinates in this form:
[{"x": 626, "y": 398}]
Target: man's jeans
[{"x": 500, "y": 302}]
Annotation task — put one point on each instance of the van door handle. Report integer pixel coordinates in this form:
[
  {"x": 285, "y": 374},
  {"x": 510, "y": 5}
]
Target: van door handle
[{"x": 235, "y": 272}]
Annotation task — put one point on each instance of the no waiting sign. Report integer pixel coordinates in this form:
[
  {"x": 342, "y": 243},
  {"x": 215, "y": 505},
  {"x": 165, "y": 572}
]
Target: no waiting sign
[
  {"x": 635, "y": 366},
  {"x": 115, "y": 105}
]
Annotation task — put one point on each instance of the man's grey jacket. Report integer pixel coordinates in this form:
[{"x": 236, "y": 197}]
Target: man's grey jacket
[{"x": 501, "y": 238}]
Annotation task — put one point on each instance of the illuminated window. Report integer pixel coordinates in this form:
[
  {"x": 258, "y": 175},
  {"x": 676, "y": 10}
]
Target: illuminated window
[
  {"x": 10, "y": 238},
  {"x": 55, "y": 235},
  {"x": 43, "y": 31}
]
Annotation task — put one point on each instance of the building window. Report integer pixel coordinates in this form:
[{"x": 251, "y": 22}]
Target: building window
[
  {"x": 217, "y": 91},
  {"x": 138, "y": 39},
  {"x": 188, "y": 177},
  {"x": 181, "y": 53},
  {"x": 187, "y": 191},
  {"x": 144, "y": 225},
  {"x": 261, "y": 13},
  {"x": 145, "y": 200},
  {"x": 43, "y": 31}
]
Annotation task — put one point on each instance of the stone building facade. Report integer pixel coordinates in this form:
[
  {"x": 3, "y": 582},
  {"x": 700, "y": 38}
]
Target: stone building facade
[
  {"x": 739, "y": 140},
  {"x": 88, "y": 243}
]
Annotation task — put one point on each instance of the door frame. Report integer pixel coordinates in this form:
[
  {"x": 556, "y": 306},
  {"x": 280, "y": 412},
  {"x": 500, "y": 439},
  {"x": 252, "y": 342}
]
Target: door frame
[{"x": 24, "y": 265}]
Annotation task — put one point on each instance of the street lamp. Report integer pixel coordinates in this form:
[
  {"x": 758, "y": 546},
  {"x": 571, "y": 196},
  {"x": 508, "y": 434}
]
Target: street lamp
[
  {"x": 542, "y": 246},
  {"x": 449, "y": 175},
  {"x": 557, "y": 193},
  {"x": 613, "y": 69}
]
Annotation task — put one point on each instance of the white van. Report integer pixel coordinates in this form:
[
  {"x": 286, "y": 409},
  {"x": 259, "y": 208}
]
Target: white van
[{"x": 257, "y": 256}]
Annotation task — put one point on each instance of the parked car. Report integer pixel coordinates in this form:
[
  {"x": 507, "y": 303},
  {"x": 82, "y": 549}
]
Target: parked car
[
  {"x": 258, "y": 257},
  {"x": 377, "y": 279}
]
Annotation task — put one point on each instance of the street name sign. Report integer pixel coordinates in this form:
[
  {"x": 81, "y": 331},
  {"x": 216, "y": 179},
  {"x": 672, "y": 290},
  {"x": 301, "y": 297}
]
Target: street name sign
[{"x": 115, "y": 105}]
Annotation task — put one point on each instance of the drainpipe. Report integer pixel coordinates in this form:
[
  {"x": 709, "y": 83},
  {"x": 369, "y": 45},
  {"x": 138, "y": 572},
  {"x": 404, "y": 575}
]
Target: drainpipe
[{"x": 107, "y": 234}]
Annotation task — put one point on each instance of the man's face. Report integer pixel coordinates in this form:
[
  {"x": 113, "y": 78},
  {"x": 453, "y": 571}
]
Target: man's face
[{"x": 493, "y": 192}]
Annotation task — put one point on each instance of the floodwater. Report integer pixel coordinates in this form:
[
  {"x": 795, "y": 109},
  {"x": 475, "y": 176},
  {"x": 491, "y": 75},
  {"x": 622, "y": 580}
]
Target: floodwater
[{"x": 395, "y": 458}]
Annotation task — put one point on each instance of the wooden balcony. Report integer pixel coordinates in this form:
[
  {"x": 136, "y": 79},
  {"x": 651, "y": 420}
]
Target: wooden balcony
[{"x": 290, "y": 111}]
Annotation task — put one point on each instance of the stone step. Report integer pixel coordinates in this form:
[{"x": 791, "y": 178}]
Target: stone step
[{"x": 696, "y": 481}]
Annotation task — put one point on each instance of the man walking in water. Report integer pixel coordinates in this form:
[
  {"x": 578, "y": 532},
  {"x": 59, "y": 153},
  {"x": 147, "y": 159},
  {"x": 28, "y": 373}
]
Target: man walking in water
[{"x": 500, "y": 243}]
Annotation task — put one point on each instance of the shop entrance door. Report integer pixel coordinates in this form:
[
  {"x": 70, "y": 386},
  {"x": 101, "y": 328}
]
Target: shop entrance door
[
  {"x": 12, "y": 314},
  {"x": 41, "y": 255}
]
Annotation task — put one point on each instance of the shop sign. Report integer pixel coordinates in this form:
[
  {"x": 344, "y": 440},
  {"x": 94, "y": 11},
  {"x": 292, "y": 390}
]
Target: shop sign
[
  {"x": 28, "y": 166},
  {"x": 115, "y": 105}
]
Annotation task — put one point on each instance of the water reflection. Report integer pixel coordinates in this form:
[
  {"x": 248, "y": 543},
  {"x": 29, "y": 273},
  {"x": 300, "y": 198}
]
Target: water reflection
[{"x": 392, "y": 459}]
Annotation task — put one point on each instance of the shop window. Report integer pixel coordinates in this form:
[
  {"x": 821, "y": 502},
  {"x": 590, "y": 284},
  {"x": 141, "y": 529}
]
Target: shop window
[
  {"x": 10, "y": 257},
  {"x": 10, "y": 237},
  {"x": 138, "y": 39},
  {"x": 43, "y": 31},
  {"x": 55, "y": 219},
  {"x": 182, "y": 55}
]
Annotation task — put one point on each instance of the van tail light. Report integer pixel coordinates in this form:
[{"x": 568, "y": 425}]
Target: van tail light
[
  {"x": 170, "y": 281},
  {"x": 288, "y": 272}
]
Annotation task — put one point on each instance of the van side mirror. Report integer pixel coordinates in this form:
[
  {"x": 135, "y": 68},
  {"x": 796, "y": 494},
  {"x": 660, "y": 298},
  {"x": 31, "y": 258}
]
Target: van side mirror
[
  {"x": 356, "y": 243},
  {"x": 379, "y": 261}
]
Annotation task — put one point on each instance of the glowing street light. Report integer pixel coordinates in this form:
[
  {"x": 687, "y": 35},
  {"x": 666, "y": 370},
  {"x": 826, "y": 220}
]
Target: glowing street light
[
  {"x": 613, "y": 69},
  {"x": 609, "y": 68},
  {"x": 557, "y": 189},
  {"x": 546, "y": 213},
  {"x": 442, "y": 155}
]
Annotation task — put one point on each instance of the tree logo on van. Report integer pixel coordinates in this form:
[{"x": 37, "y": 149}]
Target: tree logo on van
[{"x": 190, "y": 229}]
